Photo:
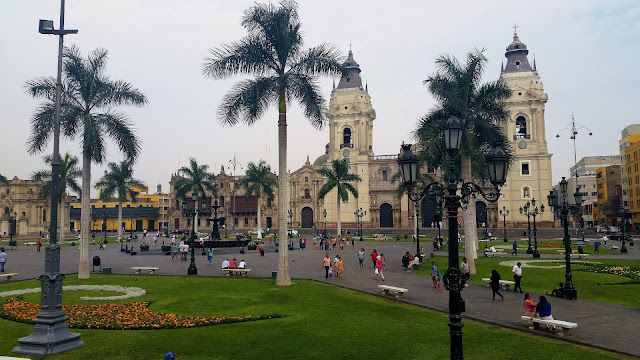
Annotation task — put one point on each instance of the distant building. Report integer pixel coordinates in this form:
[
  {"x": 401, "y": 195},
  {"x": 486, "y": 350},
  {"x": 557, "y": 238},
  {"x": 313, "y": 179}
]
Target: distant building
[
  {"x": 21, "y": 197},
  {"x": 609, "y": 191},
  {"x": 585, "y": 170}
]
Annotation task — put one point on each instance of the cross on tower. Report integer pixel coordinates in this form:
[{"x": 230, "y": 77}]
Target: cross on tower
[
  {"x": 515, "y": 29},
  {"x": 349, "y": 46}
]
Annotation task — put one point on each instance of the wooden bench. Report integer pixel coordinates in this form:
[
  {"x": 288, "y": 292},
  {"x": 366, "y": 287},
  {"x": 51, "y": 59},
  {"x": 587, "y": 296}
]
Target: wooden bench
[
  {"x": 398, "y": 291},
  {"x": 614, "y": 247},
  {"x": 8, "y": 275},
  {"x": 503, "y": 283},
  {"x": 561, "y": 326},
  {"x": 30, "y": 243},
  {"x": 152, "y": 270},
  {"x": 241, "y": 272}
]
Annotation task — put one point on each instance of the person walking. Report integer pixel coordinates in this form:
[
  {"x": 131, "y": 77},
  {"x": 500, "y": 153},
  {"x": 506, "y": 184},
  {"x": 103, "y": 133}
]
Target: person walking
[
  {"x": 495, "y": 284},
  {"x": 374, "y": 257},
  {"x": 397, "y": 240},
  {"x": 210, "y": 255},
  {"x": 361, "y": 257},
  {"x": 326, "y": 262},
  {"x": 464, "y": 267},
  {"x": 379, "y": 267},
  {"x": 515, "y": 248},
  {"x": 435, "y": 275},
  {"x": 3, "y": 259},
  {"x": 517, "y": 276},
  {"x": 340, "y": 267},
  {"x": 174, "y": 254}
]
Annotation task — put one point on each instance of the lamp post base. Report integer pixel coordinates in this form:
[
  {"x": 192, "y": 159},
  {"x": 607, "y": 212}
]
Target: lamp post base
[
  {"x": 50, "y": 336},
  {"x": 623, "y": 249},
  {"x": 536, "y": 255},
  {"x": 192, "y": 270},
  {"x": 505, "y": 240},
  {"x": 570, "y": 294},
  {"x": 529, "y": 251}
]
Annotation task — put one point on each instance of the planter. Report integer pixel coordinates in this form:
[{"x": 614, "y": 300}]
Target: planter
[
  {"x": 166, "y": 248},
  {"x": 144, "y": 248}
]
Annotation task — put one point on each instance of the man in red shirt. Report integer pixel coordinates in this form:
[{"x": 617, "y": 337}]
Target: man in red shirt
[
  {"x": 374, "y": 257},
  {"x": 232, "y": 264}
]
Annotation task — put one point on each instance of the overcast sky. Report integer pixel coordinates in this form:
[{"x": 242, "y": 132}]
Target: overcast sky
[{"x": 586, "y": 53}]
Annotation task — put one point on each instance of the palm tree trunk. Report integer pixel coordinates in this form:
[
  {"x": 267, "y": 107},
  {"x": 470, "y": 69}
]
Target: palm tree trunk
[
  {"x": 283, "y": 278},
  {"x": 339, "y": 229},
  {"x": 120, "y": 220},
  {"x": 195, "y": 218},
  {"x": 85, "y": 218},
  {"x": 470, "y": 232},
  {"x": 62, "y": 202},
  {"x": 259, "y": 216}
]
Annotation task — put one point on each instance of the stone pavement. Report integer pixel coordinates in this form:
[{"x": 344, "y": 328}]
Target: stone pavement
[{"x": 608, "y": 326}]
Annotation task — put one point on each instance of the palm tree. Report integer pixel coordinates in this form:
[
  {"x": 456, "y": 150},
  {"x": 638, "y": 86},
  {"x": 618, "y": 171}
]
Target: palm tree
[
  {"x": 272, "y": 52},
  {"x": 195, "y": 179},
  {"x": 87, "y": 110},
  {"x": 3, "y": 179},
  {"x": 119, "y": 180},
  {"x": 259, "y": 180},
  {"x": 69, "y": 172},
  {"x": 480, "y": 108},
  {"x": 339, "y": 177}
]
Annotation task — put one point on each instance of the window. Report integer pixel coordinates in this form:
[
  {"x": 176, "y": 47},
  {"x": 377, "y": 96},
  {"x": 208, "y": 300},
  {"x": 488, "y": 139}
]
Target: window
[
  {"x": 268, "y": 202},
  {"x": 306, "y": 179},
  {"x": 346, "y": 136},
  {"x": 255, "y": 221},
  {"x": 524, "y": 169},
  {"x": 44, "y": 215},
  {"x": 246, "y": 221},
  {"x": 307, "y": 193},
  {"x": 594, "y": 193},
  {"x": 521, "y": 127},
  {"x": 221, "y": 200},
  {"x": 385, "y": 174},
  {"x": 235, "y": 221}
]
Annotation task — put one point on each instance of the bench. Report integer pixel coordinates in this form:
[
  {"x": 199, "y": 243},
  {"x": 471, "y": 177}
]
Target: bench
[
  {"x": 8, "y": 275},
  {"x": 579, "y": 256},
  {"x": 30, "y": 243},
  {"x": 493, "y": 254},
  {"x": 241, "y": 272},
  {"x": 152, "y": 270},
  {"x": 484, "y": 240},
  {"x": 398, "y": 291},
  {"x": 561, "y": 326},
  {"x": 494, "y": 239},
  {"x": 561, "y": 251},
  {"x": 614, "y": 247},
  {"x": 503, "y": 283}
]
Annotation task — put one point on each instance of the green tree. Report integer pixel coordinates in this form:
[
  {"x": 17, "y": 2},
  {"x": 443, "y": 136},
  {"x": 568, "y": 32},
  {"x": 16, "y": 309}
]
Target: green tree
[
  {"x": 195, "y": 179},
  {"x": 118, "y": 180},
  {"x": 88, "y": 110},
  {"x": 3, "y": 179},
  {"x": 458, "y": 92},
  {"x": 272, "y": 52},
  {"x": 259, "y": 180},
  {"x": 340, "y": 178},
  {"x": 69, "y": 172}
]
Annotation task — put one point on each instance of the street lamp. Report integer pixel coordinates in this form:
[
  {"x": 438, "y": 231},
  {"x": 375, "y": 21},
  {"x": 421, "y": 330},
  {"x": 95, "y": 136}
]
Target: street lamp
[
  {"x": 51, "y": 334},
  {"x": 188, "y": 213},
  {"x": 569, "y": 291},
  {"x": 530, "y": 209},
  {"x": 360, "y": 214},
  {"x": 12, "y": 225},
  {"x": 623, "y": 248},
  {"x": 233, "y": 163},
  {"x": 504, "y": 212},
  {"x": 454, "y": 280},
  {"x": 324, "y": 213},
  {"x": 574, "y": 131}
]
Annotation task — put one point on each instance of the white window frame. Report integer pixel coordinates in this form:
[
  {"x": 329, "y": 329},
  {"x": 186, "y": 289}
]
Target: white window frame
[{"x": 529, "y": 165}]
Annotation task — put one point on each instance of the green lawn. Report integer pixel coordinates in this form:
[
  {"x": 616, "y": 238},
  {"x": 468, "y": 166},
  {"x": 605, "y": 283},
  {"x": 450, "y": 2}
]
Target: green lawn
[
  {"x": 320, "y": 321},
  {"x": 590, "y": 285}
]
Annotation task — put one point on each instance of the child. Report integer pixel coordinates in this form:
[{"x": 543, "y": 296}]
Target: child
[{"x": 435, "y": 275}]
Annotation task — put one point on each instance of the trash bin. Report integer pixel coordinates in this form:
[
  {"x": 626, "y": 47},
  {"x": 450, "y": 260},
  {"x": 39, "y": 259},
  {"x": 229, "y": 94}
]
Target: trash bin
[
  {"x": 274, "y": 275},
  {"x": 96, "y": 262},
  {"x": 106, "y": 271}
]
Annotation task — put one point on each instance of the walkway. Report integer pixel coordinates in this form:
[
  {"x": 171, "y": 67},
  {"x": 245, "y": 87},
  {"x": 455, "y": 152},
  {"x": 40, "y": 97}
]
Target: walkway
[{"x": 607, "y": 326}]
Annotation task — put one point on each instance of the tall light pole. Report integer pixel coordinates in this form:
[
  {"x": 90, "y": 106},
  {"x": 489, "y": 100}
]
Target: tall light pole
[
  {"x": 324, "y": 213},
  {"x": 51, "y": 334},
  {"x": 532, "y": 210},
  {"x": 569, "y": 290},
  {"x": 504, "y": 213},
  {"x": 454, "y": 280},
  {"x": 186, "y": 212},
  {"x": 623, "y": 248},
  {"x": 574, "y": 131},
  {"x": 524, "y": 210},
  {"x": 360, "y": 214},
  {"x": 232, "y": 165}
]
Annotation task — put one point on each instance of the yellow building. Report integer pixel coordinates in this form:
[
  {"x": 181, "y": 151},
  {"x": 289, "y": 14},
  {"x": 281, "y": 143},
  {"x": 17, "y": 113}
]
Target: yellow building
[
  {"x": 628, "y": 135},
  {"x": 631, "y": 177},
  {"x": 609, "y": 191}
]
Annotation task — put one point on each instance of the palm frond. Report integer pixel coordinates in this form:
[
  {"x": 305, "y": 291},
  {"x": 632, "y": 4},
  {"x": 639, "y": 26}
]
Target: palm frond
[
  {"x": 251, "y": 55},
  {"x": 322, "y": 60},
  {"x": 120, "y": 130},
  {"x": 307, "y": 92},
  {"x": 248, "y": 100}
]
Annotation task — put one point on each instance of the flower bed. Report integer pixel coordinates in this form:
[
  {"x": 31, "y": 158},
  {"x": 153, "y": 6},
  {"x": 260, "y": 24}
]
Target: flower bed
[
  {"x": 626, "y": 271},
  {"x": 133, "y": 316},
  {"x": 532, "y": 263}
]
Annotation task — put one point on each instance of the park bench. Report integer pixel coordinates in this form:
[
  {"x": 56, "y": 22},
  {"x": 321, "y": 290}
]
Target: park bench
[
  {"x": 241, "y": 272},
  {"x": 561, "y": 251},
  {"x": 504, "y": 283},
  {"x": 493, "y": 254},
  {"x": 614, "y": 247},
  {"x": 152, "y": 270},
  {"x": 579, "y": 256},
  {"x": 483, "y": 240},
  {"x": 30, "y": 243},
  {"x": 8, "y": 275},
  {"x": 398, "y": 291},
  {"x": 494, "y": 239},
  {"x": 561, "y": 326}
]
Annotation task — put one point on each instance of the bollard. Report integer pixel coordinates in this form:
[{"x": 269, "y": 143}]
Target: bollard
[{"x": 274, "y": 275}]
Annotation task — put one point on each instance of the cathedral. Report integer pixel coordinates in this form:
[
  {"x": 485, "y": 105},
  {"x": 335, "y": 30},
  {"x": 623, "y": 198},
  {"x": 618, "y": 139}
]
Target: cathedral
[{"x": 351, "y": 123}]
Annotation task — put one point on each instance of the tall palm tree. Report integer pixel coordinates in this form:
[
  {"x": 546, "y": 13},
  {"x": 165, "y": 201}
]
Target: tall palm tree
[
  {"x": 3, "y": 179},
  {"x": 88, "y": 102},
  {"x": 119, "y": 180},
  {"x": 480, "y": 108},
  {"x": 272, "y": 52},
  {"x": 340, "y": 178},
  {"x": 195, "y": 179},
  {"x": 259, "y": 180},
  {"x": 69, "y": 172}
]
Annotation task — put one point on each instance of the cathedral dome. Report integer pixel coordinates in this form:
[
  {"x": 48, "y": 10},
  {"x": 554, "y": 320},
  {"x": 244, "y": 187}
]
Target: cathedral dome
[{"x": 516, "y": 45}]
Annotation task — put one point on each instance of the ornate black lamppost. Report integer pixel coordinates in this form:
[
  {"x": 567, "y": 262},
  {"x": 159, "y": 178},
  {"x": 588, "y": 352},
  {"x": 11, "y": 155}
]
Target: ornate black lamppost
[
  {"x": 504, "y": 213},
  {"x": 569, "y": 289},
  {"x": 524, "y": 210},
  {"x": 439, "y": 219},
  {"x": 188, "y": 213},
  {"x": 12, "y": 225},
  {"x": 51, "y": 334},
  {"x": 324, "y": 213},
  {"x": 360, "y": 214},
  {"x": 217, "y": 221},
  {"x": 532, "y": 210},
  {"x": 623, "y": 248},
  {"x": 454, "y": 280}
]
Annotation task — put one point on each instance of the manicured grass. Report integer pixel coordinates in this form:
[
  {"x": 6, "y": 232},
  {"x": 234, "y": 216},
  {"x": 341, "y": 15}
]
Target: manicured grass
[
  {"x": 320, "y": 321},
  {"x": 590, "y": 285}
]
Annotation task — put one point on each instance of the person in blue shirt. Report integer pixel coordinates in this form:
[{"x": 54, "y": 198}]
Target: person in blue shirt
[
  {"x": 543, "y": 310},
  {"x": 515, "y": 248}
]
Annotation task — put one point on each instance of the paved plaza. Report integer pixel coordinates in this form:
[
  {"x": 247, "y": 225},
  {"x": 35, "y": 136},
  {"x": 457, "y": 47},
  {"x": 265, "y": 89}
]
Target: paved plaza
[{"x": 607, "y": 326}]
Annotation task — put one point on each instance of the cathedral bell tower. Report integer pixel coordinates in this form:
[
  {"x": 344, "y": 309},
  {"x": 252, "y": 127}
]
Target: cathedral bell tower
[{"x": 530, "y": 174}]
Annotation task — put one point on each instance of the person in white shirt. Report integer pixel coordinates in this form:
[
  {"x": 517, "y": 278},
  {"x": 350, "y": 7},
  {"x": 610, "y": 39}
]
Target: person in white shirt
[
  {"x": 173, "y": 240},
  {"x": 242, "y": 264},
  {"x": 492, "y": 249},
  {"x": 225, "y": 264},
  {"x": 517, "y": 276}
]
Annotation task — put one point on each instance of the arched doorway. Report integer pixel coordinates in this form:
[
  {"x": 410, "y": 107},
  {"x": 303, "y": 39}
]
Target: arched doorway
[
  {"x": 386, "y": 215},
  {"x": 481, "y": 213},
  {"x": 307, "y": 217},
  {"x": 428, "y": 210}
]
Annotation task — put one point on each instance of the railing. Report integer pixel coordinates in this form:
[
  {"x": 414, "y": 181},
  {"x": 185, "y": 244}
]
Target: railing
[
  {"x": 350, "y": 145},
  {"x": 384, "y": 157},
  {"x": 521, "y": 136}
]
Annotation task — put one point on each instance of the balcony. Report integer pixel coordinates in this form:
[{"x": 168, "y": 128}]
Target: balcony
[
  {"x": 349, "y": 145},
  {"x": 521, "y": 136}
]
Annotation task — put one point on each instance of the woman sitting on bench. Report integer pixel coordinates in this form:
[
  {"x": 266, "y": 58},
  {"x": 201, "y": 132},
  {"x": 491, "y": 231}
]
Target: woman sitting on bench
[{"x": 543, "y": 311}]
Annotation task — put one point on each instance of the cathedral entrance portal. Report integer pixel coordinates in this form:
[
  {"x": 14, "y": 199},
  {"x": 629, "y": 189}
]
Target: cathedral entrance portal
[
  {"x": 481, "y": 213},
  {"x": 307, "y": 217},
  {"x": 386, "y": 215}
]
